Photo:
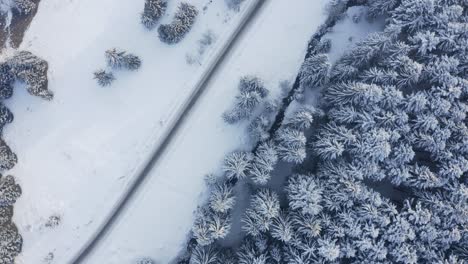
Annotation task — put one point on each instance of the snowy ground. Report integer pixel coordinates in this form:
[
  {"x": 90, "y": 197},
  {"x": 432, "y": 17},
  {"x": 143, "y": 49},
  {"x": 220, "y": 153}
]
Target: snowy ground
[
  {"x": 161, "y": 215},
  {"x": 78, "y": 152}
]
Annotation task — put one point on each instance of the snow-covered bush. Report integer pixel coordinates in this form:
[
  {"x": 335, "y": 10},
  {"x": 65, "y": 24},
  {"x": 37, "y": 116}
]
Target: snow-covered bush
[
  {"x": 103, "y": 77},
  {"x": 153, "y": 11},
  {"x": 118, "y": 59},
  {"x": 181, "y": 24}
]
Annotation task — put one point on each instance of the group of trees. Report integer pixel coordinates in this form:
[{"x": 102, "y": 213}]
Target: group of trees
[
  {"x": 26, "y": 68},
  {"x": 181, "y": 24},
  {"x": 116, "y": 59},
  {"x": 394, "y": 117}
]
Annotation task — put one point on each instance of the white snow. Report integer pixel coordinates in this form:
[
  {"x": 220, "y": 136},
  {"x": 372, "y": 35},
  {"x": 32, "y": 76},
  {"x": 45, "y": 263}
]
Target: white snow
[
  {"x": 160, "y": 216},
  {"x": 78, "y": 152}
]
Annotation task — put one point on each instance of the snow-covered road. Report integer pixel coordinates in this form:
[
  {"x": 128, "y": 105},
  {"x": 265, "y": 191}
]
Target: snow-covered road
[
  {"x": 78, "y": 152},
  {"x": 158, "y": 219}
]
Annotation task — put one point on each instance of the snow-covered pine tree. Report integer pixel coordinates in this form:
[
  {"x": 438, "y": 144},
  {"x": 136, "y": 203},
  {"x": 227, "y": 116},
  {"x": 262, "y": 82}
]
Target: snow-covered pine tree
[
  {"x": 6, "y": 213},
  {"x": 6, "y": 116},
  {"x": 153, "y": 11},
  {"x": 222, "y": 198},
  {"x": 181, "y": 24},
  {"x": 9, "y": 191},
  {"x": 237, "y": 164},
  {"x": 314, "y": 71},
  {"x": 103, "y": 77},
  {"x": 32, "y": 70},
  {"x": 121, "y": 59},
  {"x": 11, "y": 243},
  {"x": 8, "y": 159},
  {"x": 6, "y": 81}
]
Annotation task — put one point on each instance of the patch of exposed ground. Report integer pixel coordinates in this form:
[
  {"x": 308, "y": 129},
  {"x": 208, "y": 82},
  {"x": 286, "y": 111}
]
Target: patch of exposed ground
[{"x": 19, "y": 25}]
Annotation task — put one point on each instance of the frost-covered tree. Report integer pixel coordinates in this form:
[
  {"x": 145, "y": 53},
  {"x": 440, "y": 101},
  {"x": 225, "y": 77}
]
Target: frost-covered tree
[
  {"x": 222, "y": 198},
  {"x": 6, "y": 81},
  {"x": 31, "y": 70},
  {"x": 204, "y": 255},
  {"x": 8, "y": 159},
  {"x": 153, "y": 11},
  {"x": 6, "y": 213},
  {"x": 103, "y": 77},
  {"x": 304, "y": 194},
  {"x": 237, "y": 164},
  {"x": 183, "y": 21},
  {"x": 6, "y": 116},
  {"x": 314, "y": 71},
  {"x": 121, "y": 59},
  {"x": 11, "y": 243},
  {"x": 9, "y": 190}
]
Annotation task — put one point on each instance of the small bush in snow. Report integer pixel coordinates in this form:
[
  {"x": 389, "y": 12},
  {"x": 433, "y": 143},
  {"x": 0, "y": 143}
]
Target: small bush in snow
[
  {"x": 153, "y": 11},
  {"x": 121, "y": 59},
  {"x": 104, "y": 78},
  {"x": 180, "y": 26}
]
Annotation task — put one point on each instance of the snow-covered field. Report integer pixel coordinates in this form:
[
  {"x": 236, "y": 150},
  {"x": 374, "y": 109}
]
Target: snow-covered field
[
  {"x": 161, "y": 214},
  {"x": 78, "y": 152}
]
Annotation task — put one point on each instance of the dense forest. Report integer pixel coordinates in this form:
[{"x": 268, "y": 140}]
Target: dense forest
[{"x": 378, "y": 169}]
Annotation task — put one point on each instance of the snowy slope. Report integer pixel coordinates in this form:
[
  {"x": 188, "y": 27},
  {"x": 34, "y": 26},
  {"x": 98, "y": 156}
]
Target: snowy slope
[
  {"x": 160, "y": 217},
  {"x": 78, "y": 152}
]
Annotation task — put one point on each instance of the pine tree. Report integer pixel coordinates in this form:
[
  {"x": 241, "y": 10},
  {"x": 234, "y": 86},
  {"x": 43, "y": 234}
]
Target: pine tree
[
  {"x": 237, "y": 164},
  {"x": 153, "y": 11},
  {"x": 6, "y": 116},
  {"x": 204, "y": 255},
  {"x": 32, "y": 70},
  {"x": 121, "y": 59},
  {"x": 11, "y": 243},
  {"x": 222, "y": 198},
  {"x": 9, "y": 191},
  {"x": 304, "y": 194},
  {"x": 104, "y": 78},
  {"x": 6, "y": 213},
  {"x": 314, "y": 71},
  {"x": 8, "y": 159},
  {"x": 182, "y": 23},
  {"x": 6, "y": 81}
]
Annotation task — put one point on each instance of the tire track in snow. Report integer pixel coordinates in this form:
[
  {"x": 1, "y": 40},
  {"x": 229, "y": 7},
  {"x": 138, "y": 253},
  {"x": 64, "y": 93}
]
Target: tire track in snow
[{"x": 174, "y": 124}]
